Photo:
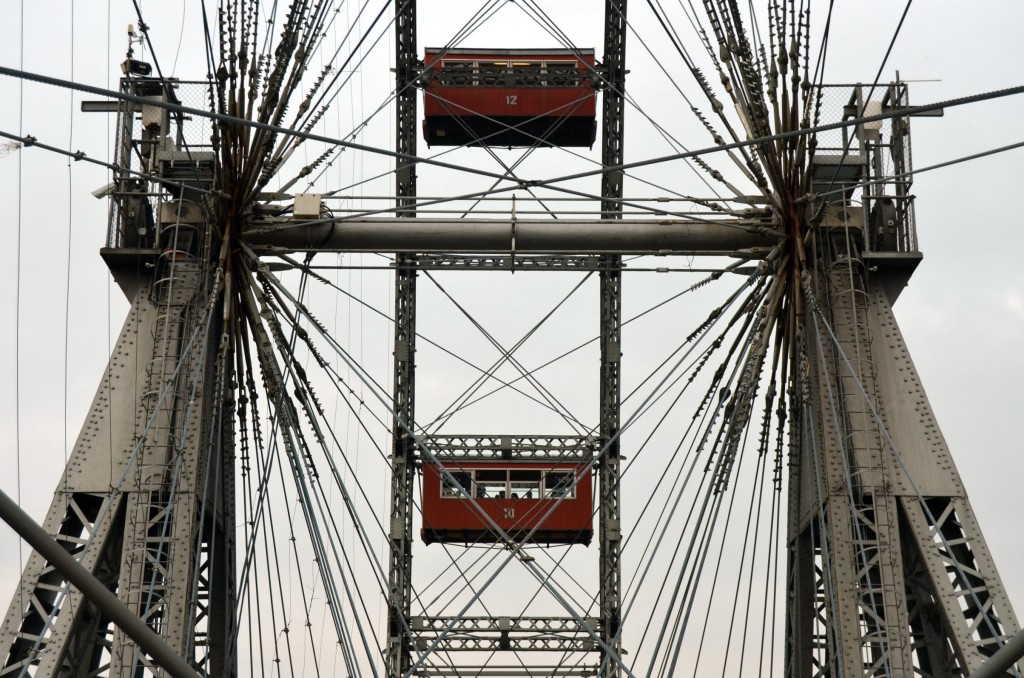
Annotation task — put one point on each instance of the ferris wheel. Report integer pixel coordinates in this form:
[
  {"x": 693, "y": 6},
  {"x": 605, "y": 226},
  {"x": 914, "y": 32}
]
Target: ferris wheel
[{"x": 426, "y": 371}]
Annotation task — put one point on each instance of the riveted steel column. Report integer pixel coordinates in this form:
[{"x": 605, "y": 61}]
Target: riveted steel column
[
  {"x": 403, "y": 467},
  {"x": 890, "y": 574},
  {"x": 610, "y": 308}
]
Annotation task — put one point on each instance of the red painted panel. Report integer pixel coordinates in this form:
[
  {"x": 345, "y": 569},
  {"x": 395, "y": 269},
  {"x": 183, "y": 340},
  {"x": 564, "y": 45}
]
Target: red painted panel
[
  {"x": 450, "y": 519},
  {"x": 578, "y": 98},
  {"x": 511, "y": 101},
  {"x": 432, "y": 53}
]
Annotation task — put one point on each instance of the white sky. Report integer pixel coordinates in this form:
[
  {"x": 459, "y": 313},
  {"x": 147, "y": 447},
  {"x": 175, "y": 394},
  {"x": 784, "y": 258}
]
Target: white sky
[{"x": 962, "y": 316}]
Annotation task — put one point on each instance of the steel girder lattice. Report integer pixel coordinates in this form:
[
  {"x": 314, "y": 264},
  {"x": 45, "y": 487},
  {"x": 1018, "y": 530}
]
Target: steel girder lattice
[
  {"x": 491, "y": 634},
  {"x": 160, "y": 536},
  {"x": 403, "y": 450},
  {"x": 612, "y": 156},
  {"x": 556, "y": 634},
  {"x": 882, "y": 538}
]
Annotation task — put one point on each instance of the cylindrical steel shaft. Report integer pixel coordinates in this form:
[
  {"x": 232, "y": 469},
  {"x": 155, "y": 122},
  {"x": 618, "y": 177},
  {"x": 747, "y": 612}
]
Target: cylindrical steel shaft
[{"x": 526, "y": 237}]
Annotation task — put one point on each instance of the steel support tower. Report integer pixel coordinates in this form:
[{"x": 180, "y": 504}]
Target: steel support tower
[
  {"x": 889, "y": 574},
  {"x": 146, "y": 502},
  {"x": 888, "y": 569}
]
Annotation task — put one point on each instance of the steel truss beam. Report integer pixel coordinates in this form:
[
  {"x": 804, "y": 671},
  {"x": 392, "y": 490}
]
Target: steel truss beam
[
  {"x": 521, "y": 448},
  {"x": 490, "y": 634},
  {"x": 97, "y": 592},
  {"x": 508, "y": 671},
  {"x": 554, "y": 262}
]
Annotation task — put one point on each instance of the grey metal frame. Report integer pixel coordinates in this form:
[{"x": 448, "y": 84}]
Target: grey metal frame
[
  {"x": 882, "y": 536},
  {"x": 403, "y": 449},
  {"x": 562, "y": 633},
  {"x": 608, "y": 471},
  {"x": 160, "y": 537}
]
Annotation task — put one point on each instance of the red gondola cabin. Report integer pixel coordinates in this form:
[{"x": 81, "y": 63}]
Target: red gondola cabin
[
  {"x": 517, "y": 496},
  {"x": 509, "y": 97}
]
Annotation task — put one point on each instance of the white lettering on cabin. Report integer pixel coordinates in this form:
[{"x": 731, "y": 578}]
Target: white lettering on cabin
[{"x": 511, "y": 99}]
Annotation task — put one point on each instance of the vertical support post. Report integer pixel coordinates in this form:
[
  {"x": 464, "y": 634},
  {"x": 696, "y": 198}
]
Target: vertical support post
[
  {"x": 403, "y": 476},
  {"x": 609, "y": 530},
  {"x": 403, "y": 451},
  {"x": 406, "y": 72},
  {"x": 165, "y": 509}
]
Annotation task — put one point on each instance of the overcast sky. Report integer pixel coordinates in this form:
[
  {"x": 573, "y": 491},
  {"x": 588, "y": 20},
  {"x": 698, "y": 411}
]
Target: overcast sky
[{"x": 962, "y": 315}]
